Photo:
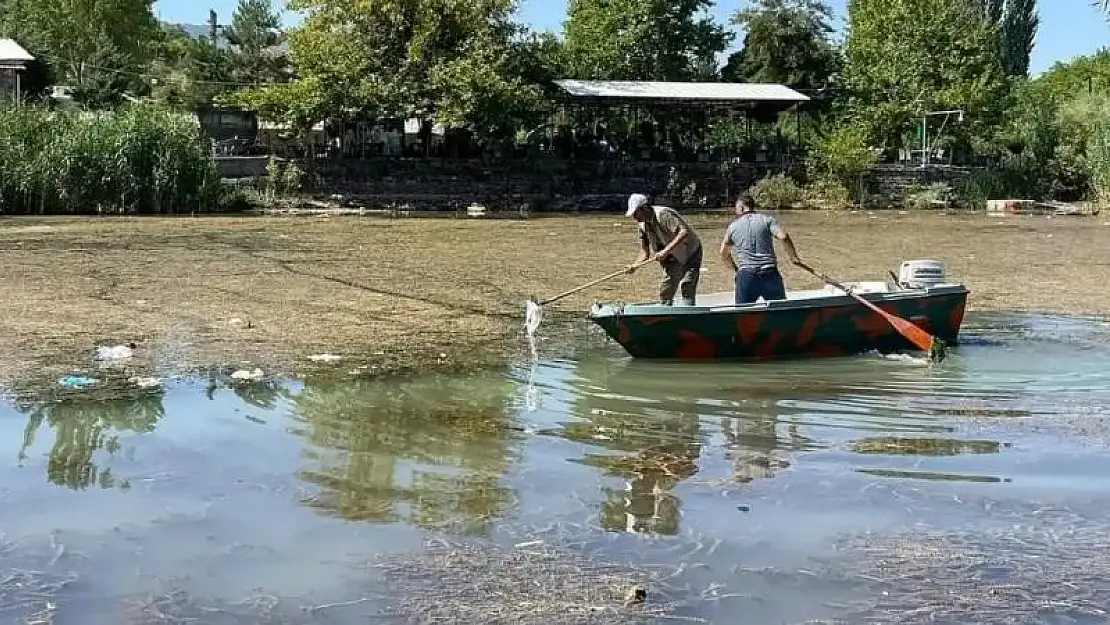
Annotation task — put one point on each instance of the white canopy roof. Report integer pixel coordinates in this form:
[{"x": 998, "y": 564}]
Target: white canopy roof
[
  {"x": 715, "y": 91},
  {"x": 13, "y": 54}
]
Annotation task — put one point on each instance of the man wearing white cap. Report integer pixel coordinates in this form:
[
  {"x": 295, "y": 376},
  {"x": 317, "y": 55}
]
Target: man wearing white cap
[{"x": 666, "y": 237}]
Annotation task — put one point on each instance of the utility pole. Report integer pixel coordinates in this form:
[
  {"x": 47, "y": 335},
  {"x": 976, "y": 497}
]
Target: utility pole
[{"x": 213, "y": 26}]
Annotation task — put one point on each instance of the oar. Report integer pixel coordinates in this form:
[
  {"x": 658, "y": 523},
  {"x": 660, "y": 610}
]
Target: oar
[
  {"x": 923, "y": 340},
  {"x": 534, "y": 310}
]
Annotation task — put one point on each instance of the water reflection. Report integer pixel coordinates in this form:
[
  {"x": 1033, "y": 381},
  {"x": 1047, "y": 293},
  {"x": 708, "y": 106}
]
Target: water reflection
[
  {"x": 652, "y": 445},
  {"x": 755, "y": 450},
  {"x": 86, "y": 424},
  {"x": 430, "y": 452},
  {"x": 264, "y": 394}
]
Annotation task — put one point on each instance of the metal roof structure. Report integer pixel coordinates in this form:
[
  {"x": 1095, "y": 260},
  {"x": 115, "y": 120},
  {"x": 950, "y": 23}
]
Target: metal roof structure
[
  {"x": 13, "y": 56},
  {"x": 718, "y": 93}
]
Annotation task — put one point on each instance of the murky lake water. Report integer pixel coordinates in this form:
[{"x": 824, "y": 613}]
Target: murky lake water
[{"x": 870, "y": 489}]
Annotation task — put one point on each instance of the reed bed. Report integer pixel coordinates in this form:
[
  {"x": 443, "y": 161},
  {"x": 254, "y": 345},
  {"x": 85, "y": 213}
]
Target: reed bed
[{"x": 141, "y": 159}]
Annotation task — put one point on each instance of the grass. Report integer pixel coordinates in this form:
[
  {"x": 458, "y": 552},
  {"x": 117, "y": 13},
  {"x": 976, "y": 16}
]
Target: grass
[{"x": 418, "y": 293}]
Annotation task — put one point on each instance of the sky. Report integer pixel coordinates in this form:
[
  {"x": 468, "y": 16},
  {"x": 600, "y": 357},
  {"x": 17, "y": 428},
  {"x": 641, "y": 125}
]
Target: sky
[{"x": 1069, "y": 28}]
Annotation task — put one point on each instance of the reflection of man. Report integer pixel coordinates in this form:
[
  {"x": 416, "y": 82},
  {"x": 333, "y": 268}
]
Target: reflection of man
[
  {"x": 647, "y": 503},
  {"x": 666, "y": 237},
  {"x": 752, "y": 445}
]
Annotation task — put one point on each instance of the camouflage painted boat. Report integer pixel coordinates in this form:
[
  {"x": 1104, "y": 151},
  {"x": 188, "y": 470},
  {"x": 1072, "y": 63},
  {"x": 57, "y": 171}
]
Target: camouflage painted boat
[{"x": 821, "y": 322}]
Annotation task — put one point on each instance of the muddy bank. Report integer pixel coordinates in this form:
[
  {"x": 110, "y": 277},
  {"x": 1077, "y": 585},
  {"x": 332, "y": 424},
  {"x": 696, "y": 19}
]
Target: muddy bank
[{"x": 397, "y": 294}]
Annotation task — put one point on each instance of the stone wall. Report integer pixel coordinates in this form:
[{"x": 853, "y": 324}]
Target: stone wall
[
  {"x": 889, "y": 183},
  {"x": 540, "y": 185}
]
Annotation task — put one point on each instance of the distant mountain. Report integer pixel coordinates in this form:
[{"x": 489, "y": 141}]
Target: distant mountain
[{"x": 196, "y": 31}]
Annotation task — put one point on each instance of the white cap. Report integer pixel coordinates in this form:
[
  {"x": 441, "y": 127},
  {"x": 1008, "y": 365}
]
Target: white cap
[{"x": 635, "y": 202}]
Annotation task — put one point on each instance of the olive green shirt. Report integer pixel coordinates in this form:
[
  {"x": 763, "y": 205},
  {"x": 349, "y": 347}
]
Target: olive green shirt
[{"x": 658, "y": 233}]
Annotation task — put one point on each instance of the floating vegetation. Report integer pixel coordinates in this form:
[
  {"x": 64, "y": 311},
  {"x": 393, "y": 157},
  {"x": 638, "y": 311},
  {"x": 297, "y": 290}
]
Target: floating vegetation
[
  {"x": 1042, "y": 570},
  {"x": 901, "y": 446},
  {"x": 30, "y": 596},
  {"x": 174, "y": 606},
  {"x": 531, "y": 582}
]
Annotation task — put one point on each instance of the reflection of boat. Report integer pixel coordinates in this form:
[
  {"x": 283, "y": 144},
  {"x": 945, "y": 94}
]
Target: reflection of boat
[{"x": 819, "y": 322}]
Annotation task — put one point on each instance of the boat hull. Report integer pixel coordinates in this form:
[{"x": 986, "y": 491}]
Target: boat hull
[{"x": 833, "y": 325}]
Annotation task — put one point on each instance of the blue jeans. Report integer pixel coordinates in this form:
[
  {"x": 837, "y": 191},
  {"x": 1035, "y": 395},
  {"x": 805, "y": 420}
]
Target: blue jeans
[{"x": 751, "y": 283}]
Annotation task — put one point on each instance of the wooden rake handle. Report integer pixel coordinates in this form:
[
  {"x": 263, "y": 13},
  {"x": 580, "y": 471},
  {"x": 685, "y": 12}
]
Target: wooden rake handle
[{"x": 593, "y": 283}]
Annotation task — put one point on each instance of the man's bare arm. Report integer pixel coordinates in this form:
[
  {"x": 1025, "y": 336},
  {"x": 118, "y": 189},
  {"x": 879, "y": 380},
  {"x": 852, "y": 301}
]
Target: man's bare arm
[
  {"x": 679, "y": 237},
  {"x": 782, "y": 235}
]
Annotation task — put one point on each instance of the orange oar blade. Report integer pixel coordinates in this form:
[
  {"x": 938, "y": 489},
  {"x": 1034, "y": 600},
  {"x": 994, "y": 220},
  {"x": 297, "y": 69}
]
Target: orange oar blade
[
  {"x": 911, "y": 331},
  {"x": 923, "y": 340}
]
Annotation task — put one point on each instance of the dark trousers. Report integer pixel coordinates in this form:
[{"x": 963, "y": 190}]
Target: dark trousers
[
  {"x": 751, "y": 283},
  {"x": 682, "y": 278}
]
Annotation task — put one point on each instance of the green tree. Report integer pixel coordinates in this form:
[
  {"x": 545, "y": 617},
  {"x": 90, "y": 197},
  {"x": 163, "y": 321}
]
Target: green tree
[
  {"x": 786, "y": 42},
  {"x": 641, "y": 39},
  {"x": 451, "y": 63},
  {"x": 1017, "y": 23},
  {"x": 1063, "y": 81},
  {"x": 74, "y": 36},
  {"x": 1019, "y": 31},
  {"x": 908, "y": 57},
  {"x": 188, "y": 73},
  {"x": 254, "y": 35}
]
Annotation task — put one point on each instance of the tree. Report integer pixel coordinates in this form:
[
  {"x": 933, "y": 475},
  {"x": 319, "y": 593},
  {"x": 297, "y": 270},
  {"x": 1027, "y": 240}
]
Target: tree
[
  {"x": 1017, "y": 22},
  {"x": 69, "y": 35},
  {"x": 641, "y": 39},
  {"x": 1063, "y": 81},
  {"x": 786, "y": 42},
  {"x": 188, "y": 73},
  {"x": 451, "y": 63},
  {"x": 908, "y": 57},
  {"x": 1019, "y": 31},
  {"x": 254, "y": 35}
]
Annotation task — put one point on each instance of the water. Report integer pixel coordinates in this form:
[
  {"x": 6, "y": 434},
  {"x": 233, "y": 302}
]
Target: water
[{"x": 775, "y": 489}]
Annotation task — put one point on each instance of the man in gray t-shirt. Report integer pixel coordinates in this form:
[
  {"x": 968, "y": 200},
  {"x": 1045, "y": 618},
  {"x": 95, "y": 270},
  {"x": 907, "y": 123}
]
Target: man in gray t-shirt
[{"x": 749, "y": 248}]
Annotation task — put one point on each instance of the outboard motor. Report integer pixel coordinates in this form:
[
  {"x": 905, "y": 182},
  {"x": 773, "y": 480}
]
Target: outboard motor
[{"x": 921, "y": 274}]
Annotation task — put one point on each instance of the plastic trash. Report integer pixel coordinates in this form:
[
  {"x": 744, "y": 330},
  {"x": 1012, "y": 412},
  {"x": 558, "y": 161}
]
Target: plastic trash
[
  {"x": 324, "y": 358},
  {"x": 146, "y": 382},
  {"x": 117, "y": 352},
  {"x": 244, "y": 375},
  {"x": 77, "y": 381}
]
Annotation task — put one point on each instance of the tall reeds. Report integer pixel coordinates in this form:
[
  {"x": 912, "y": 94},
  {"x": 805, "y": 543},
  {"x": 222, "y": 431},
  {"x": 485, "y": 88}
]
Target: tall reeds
[{"x": 139, "y": 159}]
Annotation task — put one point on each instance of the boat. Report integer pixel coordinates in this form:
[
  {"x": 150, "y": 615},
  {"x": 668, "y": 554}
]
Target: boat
[{"x": 808, "y": 323}]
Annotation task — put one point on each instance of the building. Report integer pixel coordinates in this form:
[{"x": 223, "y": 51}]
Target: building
[{"x": 13, "y": 62}]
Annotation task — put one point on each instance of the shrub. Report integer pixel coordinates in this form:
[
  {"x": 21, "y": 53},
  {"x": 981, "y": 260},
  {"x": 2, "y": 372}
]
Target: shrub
[
  {"x": 842, "y": 156},
  {"x": 1098, "y": 161},
  {"x": 828, "y": 194},
  {"x": 141, "y": 159},
  {"x": 777, "y": 191},
  {"x": 926, "y": 197}
]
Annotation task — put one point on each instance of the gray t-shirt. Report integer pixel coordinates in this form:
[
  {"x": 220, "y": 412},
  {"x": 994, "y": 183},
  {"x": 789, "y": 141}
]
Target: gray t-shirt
[{"x": 752, "y": 237}]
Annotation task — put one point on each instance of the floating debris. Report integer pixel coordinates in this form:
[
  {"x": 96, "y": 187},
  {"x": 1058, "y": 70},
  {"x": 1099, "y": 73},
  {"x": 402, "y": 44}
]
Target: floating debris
[
  {"x": 248, "y": 376},
  {"x": 325, "y": 358},
  {"x": 142, "y": 382},
  {"x": 77, "y": 381},
  {"x": 116, "y": 352}
]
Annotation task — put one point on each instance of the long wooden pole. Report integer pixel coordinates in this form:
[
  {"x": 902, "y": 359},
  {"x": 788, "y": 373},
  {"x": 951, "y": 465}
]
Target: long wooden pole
[
  {"x": 593, "y": 283},
  {"x": 923, "y": 340}
]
